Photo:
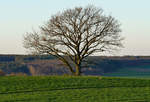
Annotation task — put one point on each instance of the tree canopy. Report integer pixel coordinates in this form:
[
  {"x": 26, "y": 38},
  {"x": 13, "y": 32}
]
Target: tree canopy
[{"x": 74, "y": 34}]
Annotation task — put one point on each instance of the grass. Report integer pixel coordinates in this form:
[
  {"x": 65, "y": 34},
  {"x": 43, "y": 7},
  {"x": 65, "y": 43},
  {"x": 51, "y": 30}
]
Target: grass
[{"x": 73, "y": 89}]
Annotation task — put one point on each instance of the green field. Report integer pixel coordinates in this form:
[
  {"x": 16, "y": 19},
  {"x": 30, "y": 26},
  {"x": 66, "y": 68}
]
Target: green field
[{"x": 73, "y": 89}]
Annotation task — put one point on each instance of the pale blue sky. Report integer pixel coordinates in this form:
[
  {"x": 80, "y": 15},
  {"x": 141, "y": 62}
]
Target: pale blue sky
[{"x": 20, "y": 16}]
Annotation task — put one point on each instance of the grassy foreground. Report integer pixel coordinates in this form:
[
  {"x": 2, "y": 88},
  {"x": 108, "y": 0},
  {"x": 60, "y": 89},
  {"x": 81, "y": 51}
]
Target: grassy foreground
[{"x": 73, "y": 89}]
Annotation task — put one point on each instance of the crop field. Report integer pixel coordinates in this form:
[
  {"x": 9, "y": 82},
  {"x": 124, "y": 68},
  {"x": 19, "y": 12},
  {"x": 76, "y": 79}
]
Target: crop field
[{"x": 73, "y": 89}]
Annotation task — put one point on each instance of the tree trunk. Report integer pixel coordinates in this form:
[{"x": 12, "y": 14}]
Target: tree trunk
[{"x": 78, "y": 70}]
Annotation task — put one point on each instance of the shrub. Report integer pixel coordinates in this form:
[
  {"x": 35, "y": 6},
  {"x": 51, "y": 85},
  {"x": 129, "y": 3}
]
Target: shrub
[{"x": 2, "y": 73}]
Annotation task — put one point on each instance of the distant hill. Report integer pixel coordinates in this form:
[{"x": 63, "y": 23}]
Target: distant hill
[{"x": 94, "y": 65}]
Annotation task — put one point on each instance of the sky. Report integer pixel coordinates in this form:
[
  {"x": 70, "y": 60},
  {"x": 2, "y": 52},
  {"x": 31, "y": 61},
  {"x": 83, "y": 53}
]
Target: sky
[{"x": 20, "y": 16}]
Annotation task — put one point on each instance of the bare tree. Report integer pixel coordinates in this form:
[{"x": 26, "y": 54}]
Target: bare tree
[{"x": 74, "y": 34}]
